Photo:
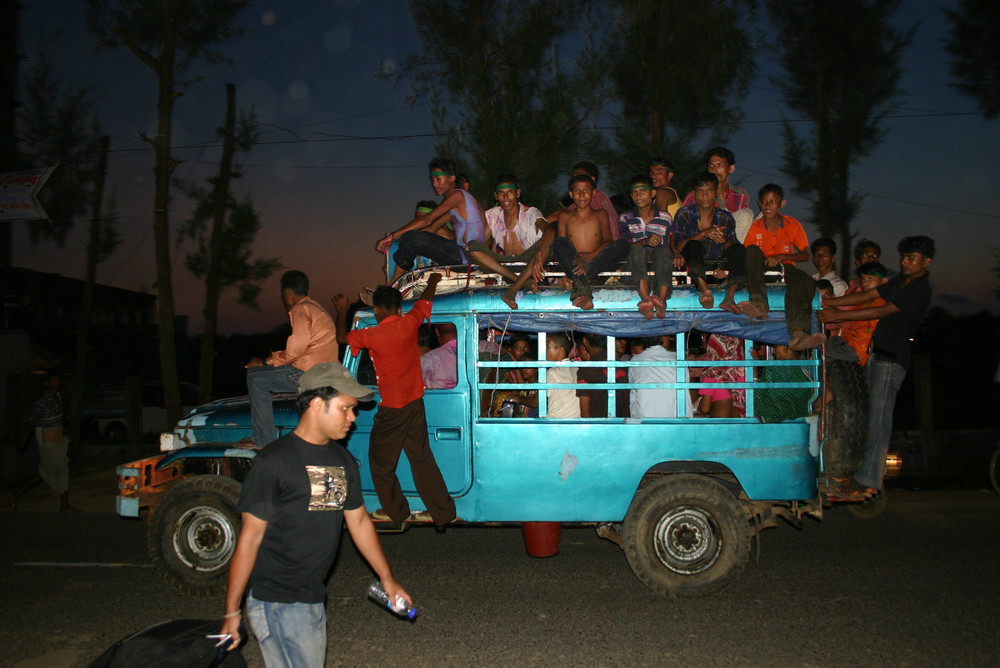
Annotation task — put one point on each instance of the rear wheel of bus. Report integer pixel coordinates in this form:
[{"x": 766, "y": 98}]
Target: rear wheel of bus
[{"x": 686, "y": 535}]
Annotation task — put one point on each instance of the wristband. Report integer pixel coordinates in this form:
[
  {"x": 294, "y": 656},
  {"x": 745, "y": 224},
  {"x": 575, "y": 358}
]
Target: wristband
[{"x": 232, "y": 614}]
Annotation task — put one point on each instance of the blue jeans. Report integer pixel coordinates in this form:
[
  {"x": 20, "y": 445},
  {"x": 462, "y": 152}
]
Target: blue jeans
[
  {"x": 261, "y": 382},
  {"x": 290, "y": 635},
  {"x": 884, "y": 378},
  {"x": 416, "y": 243}
]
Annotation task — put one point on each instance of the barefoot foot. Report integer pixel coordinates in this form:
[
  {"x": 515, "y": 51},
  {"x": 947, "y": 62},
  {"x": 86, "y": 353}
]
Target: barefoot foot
[
  {"x": 729, "y": 304},
  {"x": 753, "y": 310},
  {"x": 510, "y": 298},
  {"x": 646, "y": 308},
  {"x": 706, "y": 299},
  {"x": 804, "y": 341}
]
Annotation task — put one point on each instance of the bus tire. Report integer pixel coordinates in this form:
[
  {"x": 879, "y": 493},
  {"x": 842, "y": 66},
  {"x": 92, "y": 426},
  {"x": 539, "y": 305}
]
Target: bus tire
[
  {"x": 193, "y": 532},
  {"x": 846, "y": 419},
  {"x": 686, "y": 536}
]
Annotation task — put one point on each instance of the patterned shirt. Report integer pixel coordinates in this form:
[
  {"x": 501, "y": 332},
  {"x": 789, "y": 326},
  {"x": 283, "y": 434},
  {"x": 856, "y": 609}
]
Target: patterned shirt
[
  {"x": 734, "y": 199},
  {"x": 686, "y": 226},
  {"x": 632, "y": 228},
  {"x": 47, "y": 411}
]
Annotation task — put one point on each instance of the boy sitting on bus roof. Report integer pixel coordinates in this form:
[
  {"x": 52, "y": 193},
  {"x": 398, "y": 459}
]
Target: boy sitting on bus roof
[
  {"x": 776, "y": 240},
  {"x": 417, "y": 237},
  {"x": 647, "y": 229},
  {"x": 513, "y": 234},
  {"x": 705, "y": 232},
  {"x": 583, "y": 244}
]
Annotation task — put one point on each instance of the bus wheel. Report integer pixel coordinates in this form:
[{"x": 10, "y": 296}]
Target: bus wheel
[{"x": 686, "y": 536}]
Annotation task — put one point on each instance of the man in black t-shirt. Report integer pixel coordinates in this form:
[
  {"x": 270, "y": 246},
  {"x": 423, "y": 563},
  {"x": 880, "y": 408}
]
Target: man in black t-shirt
[
  {"x": 299, "y": 491},
  {"x": 907, "y": 297}
]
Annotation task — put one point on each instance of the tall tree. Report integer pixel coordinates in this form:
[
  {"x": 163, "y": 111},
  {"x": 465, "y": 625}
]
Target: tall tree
[
  {"x": 102, "y": 241},
  {"x": 167, "y": 36},
  {"x": 223, "y": 231},
  {"x": 502, "y": 100},
  {"x": 57, "y": 125},
  {"x": 679, "y": 69},
  {"x": 841, "y": 72},
  {"x": 974, "y": 45}
]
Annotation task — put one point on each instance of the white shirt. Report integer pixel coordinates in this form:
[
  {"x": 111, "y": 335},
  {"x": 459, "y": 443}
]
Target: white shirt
[
  {"x": 839, "y": 285},
  {"x": 562, "y": 403},
  {"x": 656, "y": 402},
  {"x": 525, "y": 230}
]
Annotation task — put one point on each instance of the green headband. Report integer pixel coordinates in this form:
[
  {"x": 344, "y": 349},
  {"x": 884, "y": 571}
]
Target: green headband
[
  {"x": 442, "y": 174},
  {"x": 424, "y": 209},
  {"x": 641, "y": 186},
  {"x": 507, "y": 186}
]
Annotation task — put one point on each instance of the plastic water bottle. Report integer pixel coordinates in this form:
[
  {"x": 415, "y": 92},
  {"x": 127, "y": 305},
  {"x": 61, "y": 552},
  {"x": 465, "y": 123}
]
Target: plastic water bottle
[{"x": 399, "y": 606}]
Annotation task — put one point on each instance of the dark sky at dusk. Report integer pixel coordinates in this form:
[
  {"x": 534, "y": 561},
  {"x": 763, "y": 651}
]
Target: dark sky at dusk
[{"x": 309, "y": 67}]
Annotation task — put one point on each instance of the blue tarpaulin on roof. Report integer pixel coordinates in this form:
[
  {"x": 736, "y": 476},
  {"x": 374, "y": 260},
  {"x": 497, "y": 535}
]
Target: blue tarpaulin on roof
[{"x": 633, "y": 324}]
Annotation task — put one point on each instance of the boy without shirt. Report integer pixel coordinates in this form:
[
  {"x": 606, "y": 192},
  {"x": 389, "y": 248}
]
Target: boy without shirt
[
  {"x": 513, "y": 234},
  {"x": 661, "y": 173},
  {"x": 418, "y": 238},
  {"x": 647, "y": 229},
  {"x": 733, "y": 199},
  {"x": 583, "y": 245},
  {"x": 774, "y": 240},
  {"x": 703, "y": 231},
  {"x": 599, "y": 201},
  {"x": 907, "y": 297}
]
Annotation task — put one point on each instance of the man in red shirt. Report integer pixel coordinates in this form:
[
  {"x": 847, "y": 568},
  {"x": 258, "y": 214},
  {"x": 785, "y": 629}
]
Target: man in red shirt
[{"x": 400, "y": 423}]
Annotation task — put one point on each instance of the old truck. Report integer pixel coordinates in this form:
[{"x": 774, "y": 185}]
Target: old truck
[{"x": 683, "y": 496}]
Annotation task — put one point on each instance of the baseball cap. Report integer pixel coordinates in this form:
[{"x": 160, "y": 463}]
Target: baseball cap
[{"x": 333, "y": 374}]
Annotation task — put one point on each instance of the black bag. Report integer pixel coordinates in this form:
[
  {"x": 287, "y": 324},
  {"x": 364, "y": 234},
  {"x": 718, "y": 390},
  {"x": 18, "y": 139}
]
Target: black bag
[{"x": 180, "y": 643}]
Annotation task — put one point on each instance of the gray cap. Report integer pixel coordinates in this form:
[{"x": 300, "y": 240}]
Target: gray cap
[{"x": 333, "y": 374}]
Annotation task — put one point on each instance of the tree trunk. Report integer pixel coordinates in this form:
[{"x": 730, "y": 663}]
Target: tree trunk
[
  {"x": 87, "y": 300},
  {"x": 213, "y": 277},
  {"x": 823, "y": 166},
  {"x": 163, "y": 170}
]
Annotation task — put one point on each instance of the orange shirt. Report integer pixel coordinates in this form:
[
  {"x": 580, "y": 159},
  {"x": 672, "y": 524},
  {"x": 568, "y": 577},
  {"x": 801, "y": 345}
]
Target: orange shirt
[
  {"x": 313, "y": 339},
  {"x": 789, "y": 238},
  {"x": 858, "y": 333},
  {"x": 392, "y": 345}
]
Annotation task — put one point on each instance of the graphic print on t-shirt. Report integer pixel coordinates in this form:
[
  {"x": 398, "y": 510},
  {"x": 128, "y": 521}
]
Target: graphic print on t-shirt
[{"x": 327, "y": 487}]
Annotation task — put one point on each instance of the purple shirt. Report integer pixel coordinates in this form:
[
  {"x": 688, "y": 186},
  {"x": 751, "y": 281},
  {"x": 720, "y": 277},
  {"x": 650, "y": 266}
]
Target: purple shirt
[{"x": 440, "y": 366}]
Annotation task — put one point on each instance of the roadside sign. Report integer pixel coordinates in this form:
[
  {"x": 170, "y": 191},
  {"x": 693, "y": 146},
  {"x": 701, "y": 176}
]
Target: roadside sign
[{"x": 19, "y": 194}]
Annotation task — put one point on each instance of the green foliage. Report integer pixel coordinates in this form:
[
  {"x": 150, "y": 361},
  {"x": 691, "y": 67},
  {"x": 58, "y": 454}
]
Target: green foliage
[
  {"x": 196, "y": 26},
  {"x": 974, "y": 45},
  {"x": 841, "y": 70},
  {"x": 238, "y": 268},
  {"x": 501, "y": 99},
  {"x": 678, "y": 69},
  {"x": 58, "y": 125}
]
